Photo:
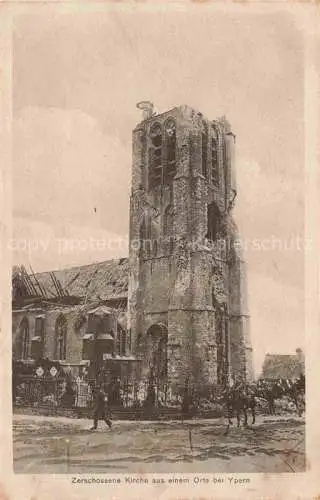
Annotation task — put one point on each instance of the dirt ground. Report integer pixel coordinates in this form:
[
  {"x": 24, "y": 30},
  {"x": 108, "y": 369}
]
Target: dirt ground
[{"x": 58, "y": 445}]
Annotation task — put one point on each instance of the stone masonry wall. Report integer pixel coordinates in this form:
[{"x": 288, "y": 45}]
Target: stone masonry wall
[
  {"x": 241, "y": 349},
  {"x": 178, "y": 289},
  {"x": 74, "y": 338}
]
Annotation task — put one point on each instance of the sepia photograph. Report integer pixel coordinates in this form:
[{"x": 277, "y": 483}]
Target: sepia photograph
[{"x": 158, "y": 244}]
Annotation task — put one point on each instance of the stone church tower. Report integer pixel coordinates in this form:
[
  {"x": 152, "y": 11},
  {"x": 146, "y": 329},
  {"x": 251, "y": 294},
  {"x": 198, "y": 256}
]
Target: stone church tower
[{"x": 187, "y": 311}]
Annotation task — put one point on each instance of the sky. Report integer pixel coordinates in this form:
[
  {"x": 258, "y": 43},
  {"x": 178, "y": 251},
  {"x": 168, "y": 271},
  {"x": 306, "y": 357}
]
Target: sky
[{"x": 76, "y": 81}]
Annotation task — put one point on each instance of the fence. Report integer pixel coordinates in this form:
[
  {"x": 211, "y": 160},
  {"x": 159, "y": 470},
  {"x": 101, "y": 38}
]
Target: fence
[
  {"x": 127, "y": 398},
  {"x": 77, "y": 394},
  {"x": 46, "y": 391}
]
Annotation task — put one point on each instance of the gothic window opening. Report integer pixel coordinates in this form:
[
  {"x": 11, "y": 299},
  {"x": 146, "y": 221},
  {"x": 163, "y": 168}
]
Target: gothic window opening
[
  {"x": 162, "y": 153},
  {"x": 214, "y": 162},
  {"x": 37, "y": 342},
  {"x": 170, "y": 151},
  {"x": 39, "y": 328},
  {"x": 213, "y": 222},
  {"x": 61, "y": 337},
  {"x": 158, "y": 357},
  {"x": 24, "y": 338},
  {"x": 204, "y": 147}
]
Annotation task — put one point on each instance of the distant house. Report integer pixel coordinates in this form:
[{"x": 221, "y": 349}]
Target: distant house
[{"x": 287, "y": 366}]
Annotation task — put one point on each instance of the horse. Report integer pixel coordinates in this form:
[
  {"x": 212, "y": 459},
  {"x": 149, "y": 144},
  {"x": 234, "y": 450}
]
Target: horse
[
  {"x": 270, "y": 391},
  {"x": 295, "y": 391},
  {"x": 239, "y": 399},
  {"x": 279, "y": 388}
]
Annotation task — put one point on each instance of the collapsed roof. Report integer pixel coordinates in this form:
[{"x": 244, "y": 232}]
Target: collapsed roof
[{"x": 94, "y": 282}]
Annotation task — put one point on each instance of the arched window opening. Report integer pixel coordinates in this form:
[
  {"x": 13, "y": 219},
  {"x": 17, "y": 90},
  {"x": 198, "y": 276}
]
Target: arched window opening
[
  {"x": 39, "y": 328},
  {"x": 170, "y": 151},
  {"x": 204, "y": 148},
  {"x": 213, "y": 222},
  {"x": 214, "y": 161},
  {"x": 155, "y": 156},
  {"x": 24, "y": 338},
  {"x": 37, "y": 341},
  {"x": 162, "y": 153},
  {"x": 61, "y": 337},
  {"x": 158, "y": 356}
]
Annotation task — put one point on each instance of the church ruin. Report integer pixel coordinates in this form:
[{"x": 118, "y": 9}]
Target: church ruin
[
  {"x": 176, "y": 309},
  {"x": 187, "y": 310}
]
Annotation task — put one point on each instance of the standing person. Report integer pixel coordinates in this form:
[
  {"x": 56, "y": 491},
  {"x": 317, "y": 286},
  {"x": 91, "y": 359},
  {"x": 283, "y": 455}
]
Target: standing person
[{"x": 99, "y": 408}]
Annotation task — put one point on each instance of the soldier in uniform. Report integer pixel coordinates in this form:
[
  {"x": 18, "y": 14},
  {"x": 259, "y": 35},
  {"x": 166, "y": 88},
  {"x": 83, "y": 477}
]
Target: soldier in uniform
[{"x": 100, "y": 412}]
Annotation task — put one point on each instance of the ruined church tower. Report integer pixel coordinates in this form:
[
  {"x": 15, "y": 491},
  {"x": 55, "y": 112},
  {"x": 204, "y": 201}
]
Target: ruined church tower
[{"x": 187, "y": 311}]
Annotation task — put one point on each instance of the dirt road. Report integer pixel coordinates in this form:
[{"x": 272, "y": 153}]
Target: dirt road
[{"x": 62, "y": 445}]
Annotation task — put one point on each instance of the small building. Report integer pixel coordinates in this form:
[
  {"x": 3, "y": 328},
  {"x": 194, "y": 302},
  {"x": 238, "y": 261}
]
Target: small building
[{"x": 285, "y": 366}]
